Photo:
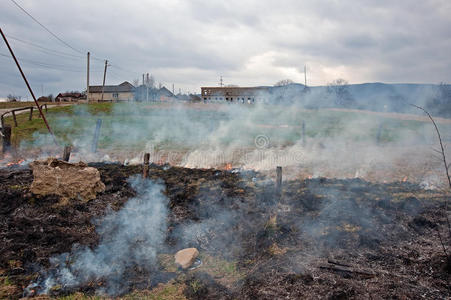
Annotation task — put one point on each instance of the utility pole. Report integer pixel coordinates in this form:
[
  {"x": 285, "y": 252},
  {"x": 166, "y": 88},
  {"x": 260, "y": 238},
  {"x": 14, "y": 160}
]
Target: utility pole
[
  {"x": 104, "y": 76},
  {"x": 173, "y": 89},
  {"x": 143, "y": 78},
  {"x": 28, "y": 85},
  {"x": 221, "y": 83},
  {"x": 87, "y": 81}
]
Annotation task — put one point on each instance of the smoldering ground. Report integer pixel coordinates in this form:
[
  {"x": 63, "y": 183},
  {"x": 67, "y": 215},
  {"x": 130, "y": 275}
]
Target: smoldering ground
[
  {"x": 252, "y": 243},
  {"x": 129, "y": 237}
]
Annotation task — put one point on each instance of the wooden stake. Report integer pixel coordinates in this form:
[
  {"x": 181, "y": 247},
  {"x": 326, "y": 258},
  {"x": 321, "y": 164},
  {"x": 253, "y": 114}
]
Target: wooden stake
[
  {"x": 96, "y": 136},
  {"x": 66, "y": 153},
  {"x": 279, "y": 181},
  {"x": 379, "y": 134},
  {"x": 6, "y": 138},
  {"x": 146, "y": 165},
  {"x": 14, "y": 117},
  {"x": 31, "y": 114},
  {"x": 303, "y": 133}
]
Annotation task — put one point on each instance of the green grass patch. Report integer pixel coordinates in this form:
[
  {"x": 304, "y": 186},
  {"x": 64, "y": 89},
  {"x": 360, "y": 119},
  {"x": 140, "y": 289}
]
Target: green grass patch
[{"x": 130, "y": 126}]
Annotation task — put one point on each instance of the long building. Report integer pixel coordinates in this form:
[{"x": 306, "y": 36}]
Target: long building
[
  {"x": 234, "y": 94},
  {"x": 122, "y": 92}
]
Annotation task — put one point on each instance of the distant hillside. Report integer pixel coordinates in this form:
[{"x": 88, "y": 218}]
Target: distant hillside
[{"x": 370, "y": 96}]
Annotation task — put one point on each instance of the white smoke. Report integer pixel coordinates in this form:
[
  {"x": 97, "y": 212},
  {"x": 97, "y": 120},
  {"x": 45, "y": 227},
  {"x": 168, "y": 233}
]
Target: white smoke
[{"x": 128, "y": 237}]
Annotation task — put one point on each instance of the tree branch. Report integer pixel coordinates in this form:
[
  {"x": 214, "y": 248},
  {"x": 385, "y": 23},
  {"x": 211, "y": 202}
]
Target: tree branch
[{"x": 445, "y": 163}]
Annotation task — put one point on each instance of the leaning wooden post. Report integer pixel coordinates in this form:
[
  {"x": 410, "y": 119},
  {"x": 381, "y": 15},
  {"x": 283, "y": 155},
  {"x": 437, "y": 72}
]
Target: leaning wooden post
[
  {"x": 279, "y": 181},
  {"x": 146, "y": 165},
  {"x": 379, "y": 134},
  {"x": 303, "y": 133},
  {"x": 31, "y": 114},
  {"x": 96, "y": 136},
  {"x": 66, "y": 153},
  {"x": 14, "y": 117},
  {"x": 6, "y": 130}
]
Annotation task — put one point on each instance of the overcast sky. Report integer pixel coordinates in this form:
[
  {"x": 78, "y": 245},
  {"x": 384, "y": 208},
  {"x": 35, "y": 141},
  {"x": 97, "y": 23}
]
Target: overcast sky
[{"x": 193, "y": 43}]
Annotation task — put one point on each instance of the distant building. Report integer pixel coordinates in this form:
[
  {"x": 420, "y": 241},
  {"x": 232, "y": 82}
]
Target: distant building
[
  {"x": 234, "y": 94},
  {"x": 122, "y": 92},
  {"x": 165, "y": 95},
  {"x": 144, "y": 93},
  {"x": 44, "y": 99},
  {"x": 66, "y": 97}
]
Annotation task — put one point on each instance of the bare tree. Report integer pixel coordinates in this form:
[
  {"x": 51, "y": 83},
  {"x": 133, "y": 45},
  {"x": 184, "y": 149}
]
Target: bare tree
[
  {"x": 150, "y": 81},
  {"x": 284, "y": 82},
  {"x": 339, "y": 88},
  {"x": 448, "y": 177},
  {"x": 135, "y": 82},
  {"x": 440, "y": 104},
  {"x": 13, "y": 98}
]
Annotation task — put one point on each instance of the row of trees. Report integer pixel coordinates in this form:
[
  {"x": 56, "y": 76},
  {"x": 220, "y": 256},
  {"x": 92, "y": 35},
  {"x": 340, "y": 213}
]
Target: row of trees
[
  {"x": 440, "y": 104},
  {"x": 338, "y": 91}
]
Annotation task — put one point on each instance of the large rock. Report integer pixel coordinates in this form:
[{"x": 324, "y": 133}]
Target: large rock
[
  {"x": 185, "y": 258},
  {"x": 70, "y": 181}
]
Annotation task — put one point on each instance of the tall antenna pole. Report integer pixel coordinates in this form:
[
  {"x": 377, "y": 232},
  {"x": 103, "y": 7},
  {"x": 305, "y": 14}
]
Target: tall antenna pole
[
  {"x": 87, "y": 79},
  {"x": 305, "y": 75},
  {"x": 147, "y": 87},
  {"x": 28, "y": 85}
]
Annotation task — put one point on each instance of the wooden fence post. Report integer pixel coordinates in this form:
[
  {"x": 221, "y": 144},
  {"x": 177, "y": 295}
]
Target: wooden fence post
[
  {"x": 303, "y": 133},
  {"x": 96, "y": 136},
  {"x": 279, "y": 181},
  {"x": 14, "y": 117},
  {"x": 379, "y": 134},
  {"x": 146, "y": 165},
  {"x": 6, "y": 130},
  {"x": 66, "y": 153},
  {"x": 31, "y": 114}
]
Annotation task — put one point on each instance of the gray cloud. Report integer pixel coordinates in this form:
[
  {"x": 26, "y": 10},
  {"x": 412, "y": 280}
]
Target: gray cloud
[{"x": 192, "y": 43}]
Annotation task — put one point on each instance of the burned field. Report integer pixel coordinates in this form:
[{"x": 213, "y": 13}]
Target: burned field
[{"x": 320, "y": 238}]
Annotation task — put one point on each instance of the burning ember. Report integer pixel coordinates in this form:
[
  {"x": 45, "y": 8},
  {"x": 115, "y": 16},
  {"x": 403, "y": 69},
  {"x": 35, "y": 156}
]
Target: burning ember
[
  {"x": 14, "y": 163},
  {"x": 228, "y": 167}
]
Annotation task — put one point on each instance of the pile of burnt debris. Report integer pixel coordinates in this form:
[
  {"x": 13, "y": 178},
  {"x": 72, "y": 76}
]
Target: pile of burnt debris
[{"x": 316, "y": 238}]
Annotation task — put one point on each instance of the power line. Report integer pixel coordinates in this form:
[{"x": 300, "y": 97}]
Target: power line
[
  {"x": 59, "y": 39},
  {"x": 47, "y": 50},
  {"x": 122, "y": 69},
  {"x": 49, "y": 66},
  {"x": 48, "y": 30}
]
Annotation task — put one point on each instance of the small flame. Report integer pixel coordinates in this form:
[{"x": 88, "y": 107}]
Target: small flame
[
  {"x": 13, "y": 163},
  {"x": 228, "y": 167},
  {"x": 404, "y": 179}
]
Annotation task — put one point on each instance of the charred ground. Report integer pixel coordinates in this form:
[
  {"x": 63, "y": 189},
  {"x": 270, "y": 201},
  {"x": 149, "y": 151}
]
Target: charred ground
[{"x": 324, "y": 238}]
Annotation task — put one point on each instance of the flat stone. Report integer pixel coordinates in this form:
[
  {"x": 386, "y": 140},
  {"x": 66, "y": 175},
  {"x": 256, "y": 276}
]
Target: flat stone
[
  {"x": 70, "y": 181},
  {"x": 185, "y": 257}
]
